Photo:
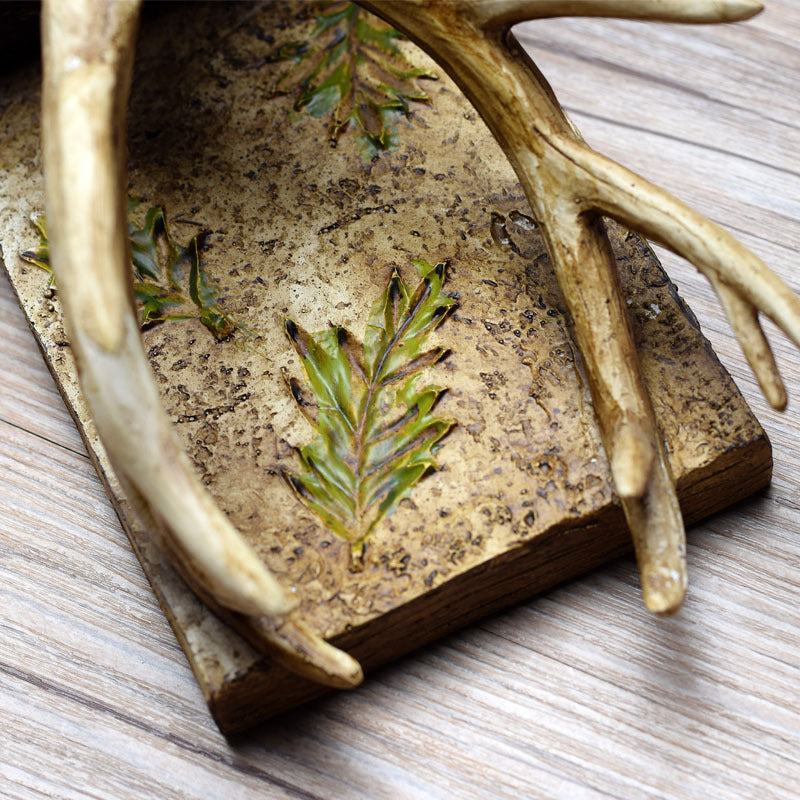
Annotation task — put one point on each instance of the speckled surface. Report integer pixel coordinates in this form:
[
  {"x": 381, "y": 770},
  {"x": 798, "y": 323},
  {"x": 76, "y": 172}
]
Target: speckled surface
[{"x": 522, "y": 498}]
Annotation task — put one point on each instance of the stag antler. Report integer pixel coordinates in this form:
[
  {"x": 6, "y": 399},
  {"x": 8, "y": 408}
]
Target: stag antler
[
  {"x": 570, "y": 188},
  {"x": 87, "y": 54}
]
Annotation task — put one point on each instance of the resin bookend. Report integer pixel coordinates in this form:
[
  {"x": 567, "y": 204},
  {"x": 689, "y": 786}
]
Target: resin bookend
[{"x": 356, "y": 330}]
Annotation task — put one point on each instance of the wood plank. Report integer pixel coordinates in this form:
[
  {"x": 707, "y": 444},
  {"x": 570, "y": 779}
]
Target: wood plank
[
  {"x": 560, "y": 697},
  {"x": 28, "y": 397},
  {"x": 561, "y": 670}
]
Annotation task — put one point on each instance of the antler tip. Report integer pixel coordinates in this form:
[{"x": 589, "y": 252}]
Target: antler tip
[
  {"x": 664, "y": 592},
  {"x": 300, "y": 649},
  {"x": 774, "y": 390},
  {"x": 736, "y": 10},
  {"x": 632, "y": 459}
]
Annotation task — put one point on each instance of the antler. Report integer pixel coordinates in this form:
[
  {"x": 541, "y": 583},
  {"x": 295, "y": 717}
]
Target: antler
[
  {"x": 570, "y": 188},
  {"x": 87, "y": 54},
  {"x": 88, "y": 50}
]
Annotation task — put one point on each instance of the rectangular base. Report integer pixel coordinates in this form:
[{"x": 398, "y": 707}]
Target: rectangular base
[{"x": 520, "y": 498}]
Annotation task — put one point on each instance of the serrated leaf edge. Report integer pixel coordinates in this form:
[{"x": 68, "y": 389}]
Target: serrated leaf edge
[{"x": 376, "y": 435}]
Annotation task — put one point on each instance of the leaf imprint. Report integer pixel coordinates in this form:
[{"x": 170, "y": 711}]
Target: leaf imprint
[
  {"x": 169, "y": 281},
  {"x": 376, "y": 431},
  {"x": 352, "y": 69}
]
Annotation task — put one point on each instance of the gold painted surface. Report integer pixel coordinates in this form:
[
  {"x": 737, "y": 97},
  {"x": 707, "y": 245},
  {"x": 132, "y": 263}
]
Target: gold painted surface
[{"x": 522, "y": 497}]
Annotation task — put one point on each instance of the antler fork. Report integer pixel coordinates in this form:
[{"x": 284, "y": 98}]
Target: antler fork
[{"x": 570, "y": 188}]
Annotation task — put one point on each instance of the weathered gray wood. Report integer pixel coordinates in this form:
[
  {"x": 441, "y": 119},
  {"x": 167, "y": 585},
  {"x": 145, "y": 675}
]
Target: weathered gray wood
[{"x": 575, "y": 694}]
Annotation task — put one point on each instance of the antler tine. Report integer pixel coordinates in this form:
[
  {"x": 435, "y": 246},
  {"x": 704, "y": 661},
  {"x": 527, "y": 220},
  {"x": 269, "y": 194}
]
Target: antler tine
[
  {"x": 743, "y": 317},
  {"x": 586, "y": 270},
  {"x": 87, "y": 55},
  {"x": 745, "y": 284},
  {"x": 568, "y": 187},
  {"x": 287, "y": 639},
  {"x": 505, "y": 13}
]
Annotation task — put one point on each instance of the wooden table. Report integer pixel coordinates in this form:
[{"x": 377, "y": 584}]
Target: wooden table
[{"x": 578, "y": 694}]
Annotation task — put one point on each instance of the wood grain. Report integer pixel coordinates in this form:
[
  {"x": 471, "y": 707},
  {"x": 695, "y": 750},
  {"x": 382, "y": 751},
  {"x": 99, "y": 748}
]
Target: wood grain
[{"x": 578, "y": 694}]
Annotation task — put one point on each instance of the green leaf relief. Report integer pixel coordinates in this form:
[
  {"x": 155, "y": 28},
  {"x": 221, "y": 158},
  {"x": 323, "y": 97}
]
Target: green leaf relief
[
  {"x": 351, "y": 69},
  {"x": 376, "y": 433},
  {"x": 40, "y": 255},
  {"x": 169, "y": 281}
]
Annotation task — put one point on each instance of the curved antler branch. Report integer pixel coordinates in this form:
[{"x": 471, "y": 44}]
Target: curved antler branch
[
  {"x": 743, "y": 317},
  {"x": 87, "y": 53},
  {"x": 568, "y": 187},
  {"x": 505, "y": 13}
]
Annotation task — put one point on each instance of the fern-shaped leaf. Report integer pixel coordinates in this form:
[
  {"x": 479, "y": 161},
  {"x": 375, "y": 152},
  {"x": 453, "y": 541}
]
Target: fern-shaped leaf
[
  {"x": 329, "y": 373},
  {"x": 352, "y": 69},
  {"x": 376, "y": 431},
  {"x": 40, "y": 255},
  {"x": 169, "y": 281}
]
